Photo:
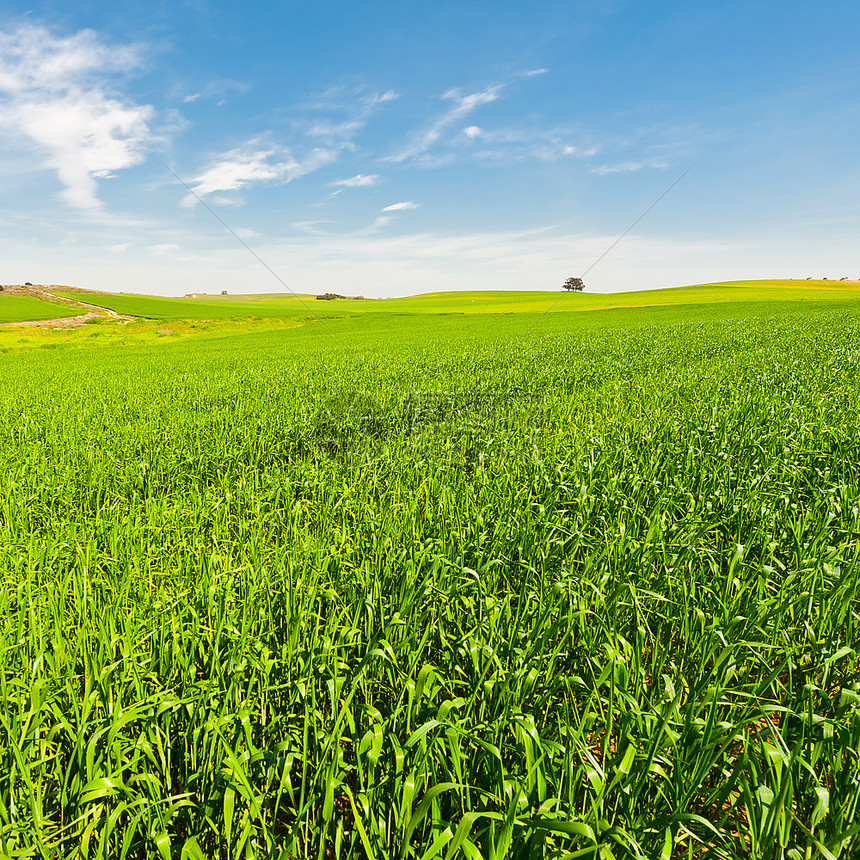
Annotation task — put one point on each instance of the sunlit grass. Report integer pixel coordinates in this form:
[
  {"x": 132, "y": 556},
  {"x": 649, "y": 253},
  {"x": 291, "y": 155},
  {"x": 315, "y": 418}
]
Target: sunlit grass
[
  {"x": 23, "y": 308},
  {"x": 416, "y": 586},
  {"x": 482, "y": 302}
]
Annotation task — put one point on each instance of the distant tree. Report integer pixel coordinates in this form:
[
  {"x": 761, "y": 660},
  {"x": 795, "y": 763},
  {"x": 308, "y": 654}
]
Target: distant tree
[{"x": 574, "y": 285}]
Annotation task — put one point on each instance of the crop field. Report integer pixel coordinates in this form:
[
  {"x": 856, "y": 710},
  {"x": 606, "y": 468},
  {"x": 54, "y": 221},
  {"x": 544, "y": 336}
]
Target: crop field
[
  {"x": 416, "y": 584},
  {"x": 162, "y": 308},
  {"x": 304, "y": 306},
  {"x": 21, "y": 308}
]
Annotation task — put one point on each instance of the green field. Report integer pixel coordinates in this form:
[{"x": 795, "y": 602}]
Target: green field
[
  {"x": 301, "y": 307},
  {"x": 26, "y": 308},
  {"x": 421, "y": 582}
]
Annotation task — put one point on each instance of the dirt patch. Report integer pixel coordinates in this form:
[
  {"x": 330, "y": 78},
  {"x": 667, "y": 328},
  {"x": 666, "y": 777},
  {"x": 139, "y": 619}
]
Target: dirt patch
[
  {"x": 40, "y": 291},
  {"x": 62, "y": 322}
]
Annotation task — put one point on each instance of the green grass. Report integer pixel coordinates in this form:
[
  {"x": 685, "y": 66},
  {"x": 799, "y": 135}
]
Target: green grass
[
  {"x": 26, "y": 308},
  {"x": 430, "y": 584},
  {"x": 163, "y": 308},
  {"x": 302, "y": 307}
]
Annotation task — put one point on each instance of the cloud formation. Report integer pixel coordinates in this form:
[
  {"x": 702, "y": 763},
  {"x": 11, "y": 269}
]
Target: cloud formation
[
  {"x": 508, "y": 145},
  {"x": 373, "y": 99},
  {"x": 580, "y": 152},
  {"x": 163, "y": 249},
  {"x": 464, "y": 104},
  {"x": 361, "y": 180},
  {"x": 56, "y": 92},
  {"x": 490, "y": 146},
  {"x": 346, "y": 111},
  {"x": 400, "y": 207},
  {"x": 256, "y": 162},
  {"x": 628, "y": 167}
]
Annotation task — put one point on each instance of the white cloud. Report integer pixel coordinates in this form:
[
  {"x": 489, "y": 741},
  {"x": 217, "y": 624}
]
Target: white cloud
[
  {"x": 380, "y": 222},
  {"x": 627, "y": 167},
  {"x": 352, "y": 109},
  {"x": 246, "y": 233},
  {"x": 508, "y": 145},
  {"x": 235, "y": 202},
  {"x": 500, "y": 146},
  {"x": 578, "y": 152},
  {"x": 377, "y": 262},
  {"x": 54, "y": 91},
  {"x": 464, "y": 104},
  {"x": 399, "y": 207},
  {"x": 380, "y": 98},
  {"x": 120, "y": 248},
  {"x": 163, "y": 249},
  {"x": 218, "y": 89},
  {"x": 312, "y": 227},
  {"x": 323, "y": 128},
  {"x": 256, "y": 162},
  {"x": 361, "y": 180}
]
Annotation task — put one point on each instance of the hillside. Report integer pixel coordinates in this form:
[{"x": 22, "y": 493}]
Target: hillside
[
  {"x": 581, "y": 584},
  {"x": 304, "y": 306}
]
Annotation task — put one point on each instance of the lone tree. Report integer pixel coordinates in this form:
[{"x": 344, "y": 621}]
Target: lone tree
[{"x": 574, "y": 285}]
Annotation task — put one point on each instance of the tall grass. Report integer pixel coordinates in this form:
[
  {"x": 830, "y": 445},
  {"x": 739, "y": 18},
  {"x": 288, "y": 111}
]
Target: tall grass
[{"x": 430, "y": 591}]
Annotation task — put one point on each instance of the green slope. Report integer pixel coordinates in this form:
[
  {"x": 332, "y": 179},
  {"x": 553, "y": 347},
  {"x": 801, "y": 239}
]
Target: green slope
[
  {"x": 474, "y": 302},
  {"x": 526, "y": 578},
  {"x": 26, "y": 308},
  {"x": 157, "y": 307}
]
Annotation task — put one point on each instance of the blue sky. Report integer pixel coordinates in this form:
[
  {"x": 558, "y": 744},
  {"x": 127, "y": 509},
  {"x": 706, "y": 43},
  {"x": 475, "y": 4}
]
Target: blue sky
[{"x": 392, "y": 148}]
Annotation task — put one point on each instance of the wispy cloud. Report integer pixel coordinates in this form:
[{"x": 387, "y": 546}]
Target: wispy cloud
[
  {"x": 506, "y": 145},
  {"x": 373, "y": 99},
  {"x": 256, "y": 162},
  {"x": 163, "y": 249},
  {"x": 324, "y": 128},
  {"x": 57, "y": 93},
  {"x": 386, "y": 216},
  {"x": 444, "y": 141},
  {"x": 380, "y": 222},
  {"x": 580, "y": 151},
  {"x": 361, "y": 180},
  {"x": 310, "y": 227},
  {"x": 628, "y": 167},
  {"x": 342, "y": 112},
  {"x": 400, "y": 207},
  {"x": 377, "y": 261},
  {"x": 342, "y": 97},
  {"x": 215, "y": 89},
  {"x": 464, "y": 104}
]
